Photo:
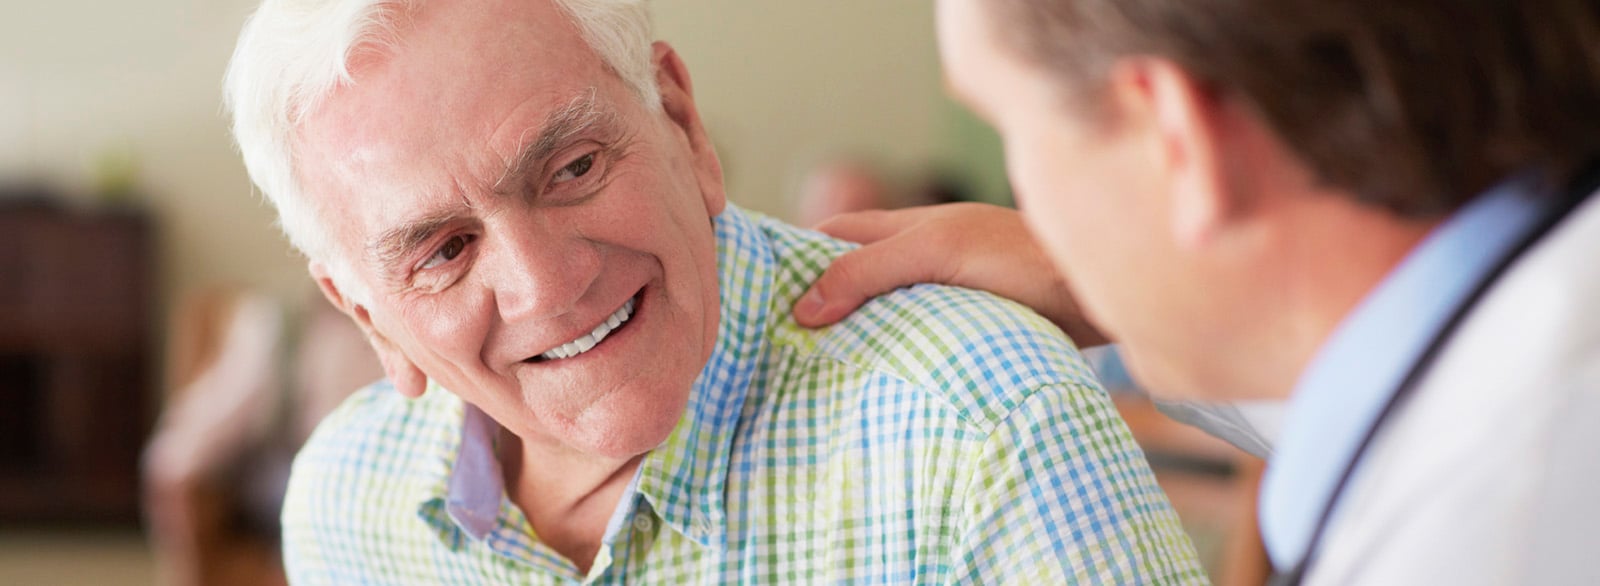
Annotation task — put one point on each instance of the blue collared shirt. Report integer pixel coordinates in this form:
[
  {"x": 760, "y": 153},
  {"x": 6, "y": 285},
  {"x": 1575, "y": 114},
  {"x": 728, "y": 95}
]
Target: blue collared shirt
[{"x": 1360, "y": 367}]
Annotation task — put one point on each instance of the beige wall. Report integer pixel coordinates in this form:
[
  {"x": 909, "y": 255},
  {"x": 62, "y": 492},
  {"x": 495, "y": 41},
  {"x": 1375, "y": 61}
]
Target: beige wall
[
  {"x": 781, "y": 84},
  {"x": 82, "y": 77},
  {"x": 784, "y": 84}
]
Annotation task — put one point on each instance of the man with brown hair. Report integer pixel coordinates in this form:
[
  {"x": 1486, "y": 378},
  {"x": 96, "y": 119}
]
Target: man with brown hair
[{"x": 1378, "y": 210}]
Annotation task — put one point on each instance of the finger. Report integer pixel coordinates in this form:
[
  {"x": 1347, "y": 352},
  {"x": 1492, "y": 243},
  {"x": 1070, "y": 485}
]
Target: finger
[
  {"x": 870, "y": 226},
  {"x": 859, "y": 275}
]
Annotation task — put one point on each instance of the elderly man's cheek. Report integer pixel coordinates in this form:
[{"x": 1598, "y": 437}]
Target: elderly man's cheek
[{"x": 455, "y": 323}]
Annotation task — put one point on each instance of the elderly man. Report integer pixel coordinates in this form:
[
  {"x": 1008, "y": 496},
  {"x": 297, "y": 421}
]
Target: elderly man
[{"x": 592, "y": 372}]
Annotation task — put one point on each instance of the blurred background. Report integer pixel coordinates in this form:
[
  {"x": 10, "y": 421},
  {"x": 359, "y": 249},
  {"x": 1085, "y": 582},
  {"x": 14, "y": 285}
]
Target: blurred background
[{"x": 162, "y": 350}]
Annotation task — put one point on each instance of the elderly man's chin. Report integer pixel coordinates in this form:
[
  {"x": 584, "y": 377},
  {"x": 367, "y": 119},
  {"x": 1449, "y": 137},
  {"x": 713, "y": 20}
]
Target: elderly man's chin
[
  {"x": 622, "y": 429},
  {"x": 624, "y": 396},
  {"x": 605, "y": 418}
]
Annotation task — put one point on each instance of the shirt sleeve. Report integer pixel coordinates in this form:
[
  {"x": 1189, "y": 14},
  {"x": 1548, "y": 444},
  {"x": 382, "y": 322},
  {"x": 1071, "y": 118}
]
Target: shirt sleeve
[
  {"x": 302, "y": 559},
  {"x": 1061, "y": 494},
  {"x": 1251, "y": 426}
]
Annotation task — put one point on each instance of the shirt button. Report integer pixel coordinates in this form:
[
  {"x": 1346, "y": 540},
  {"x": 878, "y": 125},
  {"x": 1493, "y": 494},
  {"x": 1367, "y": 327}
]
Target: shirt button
[{"x": 643, "y": 523}]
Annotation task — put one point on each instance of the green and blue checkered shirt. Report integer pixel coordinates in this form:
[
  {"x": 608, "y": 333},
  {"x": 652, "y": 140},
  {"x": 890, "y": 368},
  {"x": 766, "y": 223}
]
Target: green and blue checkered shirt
[{"x": 938, "y": 435}]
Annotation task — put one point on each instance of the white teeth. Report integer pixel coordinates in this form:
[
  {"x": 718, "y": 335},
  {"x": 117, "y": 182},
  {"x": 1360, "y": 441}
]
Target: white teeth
[{"x": 588, "y": 341}]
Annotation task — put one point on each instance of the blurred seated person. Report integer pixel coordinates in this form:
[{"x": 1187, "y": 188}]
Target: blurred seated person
[
  {"x": 852, "y": 184},
  {"x": 250, "y": 380},
  {"x": 838, "y": 187}
]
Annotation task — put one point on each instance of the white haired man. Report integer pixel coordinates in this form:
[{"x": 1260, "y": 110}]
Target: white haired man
[{"x": 592, "y": 372}]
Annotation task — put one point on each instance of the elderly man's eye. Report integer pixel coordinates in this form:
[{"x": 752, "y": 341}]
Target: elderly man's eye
[
  {"x": 574, "y": 169},
  {"x": 452, "y": 248}
]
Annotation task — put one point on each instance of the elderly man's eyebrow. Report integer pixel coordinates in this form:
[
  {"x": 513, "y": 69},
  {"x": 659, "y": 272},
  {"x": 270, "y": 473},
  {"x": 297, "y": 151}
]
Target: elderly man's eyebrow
[
  {"x": 580, "y": 115},
  {"x": 393, "y": 245}
]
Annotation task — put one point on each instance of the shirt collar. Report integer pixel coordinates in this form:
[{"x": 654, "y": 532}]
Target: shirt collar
[
  {"x": 683, "y": 478},
  {"x": 460, "y": 489},
  {"x": 476, "y": 485},
  {"x": 1361, "y": 365}
]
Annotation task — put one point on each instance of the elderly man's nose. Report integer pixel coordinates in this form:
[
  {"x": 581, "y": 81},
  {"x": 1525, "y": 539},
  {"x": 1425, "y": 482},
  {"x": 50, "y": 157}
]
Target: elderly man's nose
[{"x": 539, "y": 277}]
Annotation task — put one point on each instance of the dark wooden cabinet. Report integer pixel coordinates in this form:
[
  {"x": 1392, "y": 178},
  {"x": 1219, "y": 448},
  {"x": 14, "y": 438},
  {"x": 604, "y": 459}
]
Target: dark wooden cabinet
[{"x": 75, "y": 362}]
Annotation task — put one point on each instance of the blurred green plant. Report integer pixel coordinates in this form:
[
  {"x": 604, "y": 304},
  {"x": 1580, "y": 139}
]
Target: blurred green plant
[{"x": 115, "y": 173}]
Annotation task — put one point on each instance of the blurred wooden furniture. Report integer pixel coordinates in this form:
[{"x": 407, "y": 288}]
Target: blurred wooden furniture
[
  {"x": 224, "y": 357},
  {"x": 75, "y": 378}
]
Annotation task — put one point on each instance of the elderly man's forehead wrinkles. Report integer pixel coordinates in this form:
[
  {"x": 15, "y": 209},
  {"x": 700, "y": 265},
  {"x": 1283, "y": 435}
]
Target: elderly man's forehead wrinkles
[{"x": 579, "y": 116}]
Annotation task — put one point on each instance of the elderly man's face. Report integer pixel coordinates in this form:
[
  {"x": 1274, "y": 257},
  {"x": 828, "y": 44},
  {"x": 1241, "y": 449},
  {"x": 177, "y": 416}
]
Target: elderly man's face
[{"x": 509, "y": 201}]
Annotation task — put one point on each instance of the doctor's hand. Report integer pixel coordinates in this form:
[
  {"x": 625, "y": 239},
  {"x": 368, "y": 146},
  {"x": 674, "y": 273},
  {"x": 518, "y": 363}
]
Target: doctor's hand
[{"x": 965, "y": 244}]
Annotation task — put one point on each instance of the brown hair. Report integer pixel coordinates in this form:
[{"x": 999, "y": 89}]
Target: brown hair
[{"x": 1413, "y": 105}]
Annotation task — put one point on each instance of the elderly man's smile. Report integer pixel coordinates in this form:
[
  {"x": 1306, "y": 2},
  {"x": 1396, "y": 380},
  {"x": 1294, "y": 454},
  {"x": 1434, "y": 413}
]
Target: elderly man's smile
[{"x": 589, "y": 341}]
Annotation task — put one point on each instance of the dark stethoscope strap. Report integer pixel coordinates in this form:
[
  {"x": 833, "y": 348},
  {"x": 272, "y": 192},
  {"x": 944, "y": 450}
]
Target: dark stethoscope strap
[{"x": 1584, "y": 183}]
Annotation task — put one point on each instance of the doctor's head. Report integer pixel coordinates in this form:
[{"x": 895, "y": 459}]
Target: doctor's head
[
  {"x": 513, "y": 198},
  {"x": 1188, "y": 162}
]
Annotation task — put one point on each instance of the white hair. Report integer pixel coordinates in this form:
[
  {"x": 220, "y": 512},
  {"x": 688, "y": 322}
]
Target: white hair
[{"x": 293, "y": 53}]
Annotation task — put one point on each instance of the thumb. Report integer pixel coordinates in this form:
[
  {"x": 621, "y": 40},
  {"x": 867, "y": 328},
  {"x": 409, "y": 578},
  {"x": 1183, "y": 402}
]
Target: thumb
[
  {"x": 857, "y": 276},
  {"x": 868, "y": 226}
]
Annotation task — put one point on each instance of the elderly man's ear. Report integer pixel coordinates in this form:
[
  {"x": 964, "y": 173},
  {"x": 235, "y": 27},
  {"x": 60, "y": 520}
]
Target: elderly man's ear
[
  {"x": 404, "y": 374},
  {"x": 677, "y": 100}
]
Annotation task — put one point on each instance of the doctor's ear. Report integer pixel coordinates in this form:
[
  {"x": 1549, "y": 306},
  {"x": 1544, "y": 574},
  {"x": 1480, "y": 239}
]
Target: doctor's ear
[
  {"x": 1187, "y": 125},
  {"x": 407, "y": 378}
]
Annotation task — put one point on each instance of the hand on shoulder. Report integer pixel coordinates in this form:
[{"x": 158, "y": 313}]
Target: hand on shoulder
[{"x": 971, "y": 245}]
